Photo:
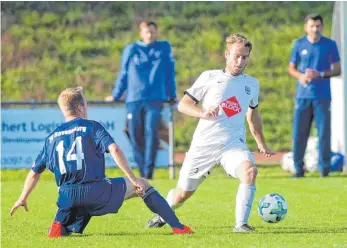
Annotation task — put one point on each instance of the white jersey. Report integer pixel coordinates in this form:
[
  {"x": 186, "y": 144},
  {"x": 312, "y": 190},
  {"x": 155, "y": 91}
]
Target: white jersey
[{"x": 233, "y": 95}]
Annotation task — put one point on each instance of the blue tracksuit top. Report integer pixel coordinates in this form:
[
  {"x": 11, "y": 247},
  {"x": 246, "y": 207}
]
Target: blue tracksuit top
[{"x": 147, "y": 73}]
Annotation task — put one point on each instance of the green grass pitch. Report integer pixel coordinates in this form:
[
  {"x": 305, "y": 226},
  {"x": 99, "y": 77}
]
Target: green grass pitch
[{"x": 317, "y": 215}]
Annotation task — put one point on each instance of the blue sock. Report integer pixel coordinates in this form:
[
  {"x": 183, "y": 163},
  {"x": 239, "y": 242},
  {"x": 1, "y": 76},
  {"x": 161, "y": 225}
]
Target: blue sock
[{"x": 157, "y": 204}]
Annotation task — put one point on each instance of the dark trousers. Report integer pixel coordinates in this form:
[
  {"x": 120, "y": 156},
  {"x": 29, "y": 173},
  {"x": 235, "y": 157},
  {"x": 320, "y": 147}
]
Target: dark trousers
[
  {"x": 144, "y": 121},
  {"x": 305, "y": 111},
  {"x": 79, "y": 202}
]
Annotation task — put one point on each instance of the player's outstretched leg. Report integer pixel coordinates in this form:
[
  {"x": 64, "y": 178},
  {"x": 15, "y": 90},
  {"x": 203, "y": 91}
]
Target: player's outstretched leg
[
  {"x": 57, "y": 228},
  {"x": 247, "y": 173},
  {"x": 175, "y": 199},
  {"x": 79, "y": 221},
  {"x": 65, "y": 223},
  {"x": 157, "y": 204}
]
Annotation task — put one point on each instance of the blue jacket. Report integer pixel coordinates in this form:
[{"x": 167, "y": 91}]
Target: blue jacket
[{"x": 147, "y": 73}]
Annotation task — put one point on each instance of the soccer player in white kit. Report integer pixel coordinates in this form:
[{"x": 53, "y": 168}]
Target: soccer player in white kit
[{"x": 228, "y": 97}]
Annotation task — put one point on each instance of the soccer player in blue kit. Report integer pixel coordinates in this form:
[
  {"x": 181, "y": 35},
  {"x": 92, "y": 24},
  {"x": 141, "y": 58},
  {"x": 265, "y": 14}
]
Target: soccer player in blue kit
[{"x": 74, "y": 152}]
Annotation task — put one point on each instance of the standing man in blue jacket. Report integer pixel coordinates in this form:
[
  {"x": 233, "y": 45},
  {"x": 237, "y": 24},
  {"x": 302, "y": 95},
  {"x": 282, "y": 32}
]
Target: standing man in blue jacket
[
  {"x": 313, "y": 61},
  {"x": 147, "y": 74}
]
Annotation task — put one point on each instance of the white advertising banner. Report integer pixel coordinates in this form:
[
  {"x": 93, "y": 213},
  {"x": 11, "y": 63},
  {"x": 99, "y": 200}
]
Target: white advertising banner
[{"x": 23, "y": 131}]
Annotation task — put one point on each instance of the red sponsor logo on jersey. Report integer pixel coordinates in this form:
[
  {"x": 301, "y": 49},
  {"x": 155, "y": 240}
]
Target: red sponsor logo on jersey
[{"x": 231, "y": 106}]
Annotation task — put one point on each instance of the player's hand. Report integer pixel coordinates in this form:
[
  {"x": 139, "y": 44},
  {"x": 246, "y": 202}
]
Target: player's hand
[
  {"x": 19, "y": 203},
  {"x": 311, "y": 73},
  {"x": 266, "y": 151},
  {"x": 109, "y": 99},
  {"x": 305, "y": 79},
  {"x": 209, "y": 113},
  {"x": 140, "y": 187}
]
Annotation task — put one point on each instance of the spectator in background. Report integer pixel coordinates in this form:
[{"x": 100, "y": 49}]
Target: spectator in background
[
  {"x": 313, "y": 61},
  {"x": 147, "y": 74}
]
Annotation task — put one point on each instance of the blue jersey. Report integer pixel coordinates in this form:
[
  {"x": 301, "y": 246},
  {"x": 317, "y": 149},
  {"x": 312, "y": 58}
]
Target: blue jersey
[
  {"x": 147, "y": 73},
  {"x": 318, "y": 56},
  {"x": 74, "y": 152}
]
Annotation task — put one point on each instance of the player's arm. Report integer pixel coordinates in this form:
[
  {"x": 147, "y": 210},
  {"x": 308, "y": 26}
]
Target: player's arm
[
  {"x": 336, "y": 71},
  {"x": 256, "y": 128},
  {"x": 187, "y": 105},
  {"x": 292, "y": 67},
  {"x": 171, "y": 83},
  {"x": 29, "y": 185},
  {"x": 121, "y": 83},
  {"x": 122, "y": 162},
  {"x": 293, "y": 61},
  {"x": 293, "y": 71}
]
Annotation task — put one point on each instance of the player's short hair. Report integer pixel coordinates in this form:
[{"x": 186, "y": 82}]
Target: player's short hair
[
  {"x": 314, "y": 17},
  {"x": 238, "y": 38},
  {"x": 147, "y": 24},
  {"x": 70, "y": 99}
]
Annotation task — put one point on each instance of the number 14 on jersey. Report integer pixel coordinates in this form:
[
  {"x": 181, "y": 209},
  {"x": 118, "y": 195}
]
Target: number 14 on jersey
[{"x": 78, "y": 156}]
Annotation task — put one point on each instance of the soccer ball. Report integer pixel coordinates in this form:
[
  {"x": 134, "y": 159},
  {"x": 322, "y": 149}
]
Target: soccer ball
[{"x": 272, "y": 208}]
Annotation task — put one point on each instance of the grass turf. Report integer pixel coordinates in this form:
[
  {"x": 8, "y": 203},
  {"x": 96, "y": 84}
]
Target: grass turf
[{"x": 317, "y": 215}]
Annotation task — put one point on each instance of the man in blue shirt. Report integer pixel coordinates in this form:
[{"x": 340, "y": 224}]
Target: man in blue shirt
[
  {"x": 147, "y": 74},
  {"x": 313, "y": 61},
  {"x": 74, "y": 152}
]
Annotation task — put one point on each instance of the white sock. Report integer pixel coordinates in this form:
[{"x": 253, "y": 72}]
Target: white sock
[
  {"x": 244, "y": 200},
  {"x": 170, "y": 201}
]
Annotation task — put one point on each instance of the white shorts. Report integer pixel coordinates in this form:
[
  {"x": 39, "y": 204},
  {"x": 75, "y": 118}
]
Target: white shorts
[{"x": 200, "y": 161}]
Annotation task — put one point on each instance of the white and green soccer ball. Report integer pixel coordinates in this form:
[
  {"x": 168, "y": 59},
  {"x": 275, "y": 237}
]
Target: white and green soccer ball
[{"x": 272, "y": 208}]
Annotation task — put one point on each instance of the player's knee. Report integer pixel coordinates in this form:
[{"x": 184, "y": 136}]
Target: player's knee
[
  {"x": 146, "y": 183},
  {"x": 251, "y": 173},
  {"x": 248, "y": 173},
  {"x": 184, "y": 195}
]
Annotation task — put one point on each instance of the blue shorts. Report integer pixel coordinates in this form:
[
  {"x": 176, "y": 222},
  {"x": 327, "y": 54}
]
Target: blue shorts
[{"x": 92, "y": 199}]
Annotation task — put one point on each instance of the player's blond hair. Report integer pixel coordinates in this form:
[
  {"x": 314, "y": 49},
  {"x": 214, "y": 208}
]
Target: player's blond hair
[
  {"x": 238, "y": 38},
  {"x": 70, "y": 99}
]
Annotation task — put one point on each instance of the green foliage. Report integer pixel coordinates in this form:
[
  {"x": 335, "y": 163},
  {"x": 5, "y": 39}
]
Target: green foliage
[{"x": 47, "y": 46}]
